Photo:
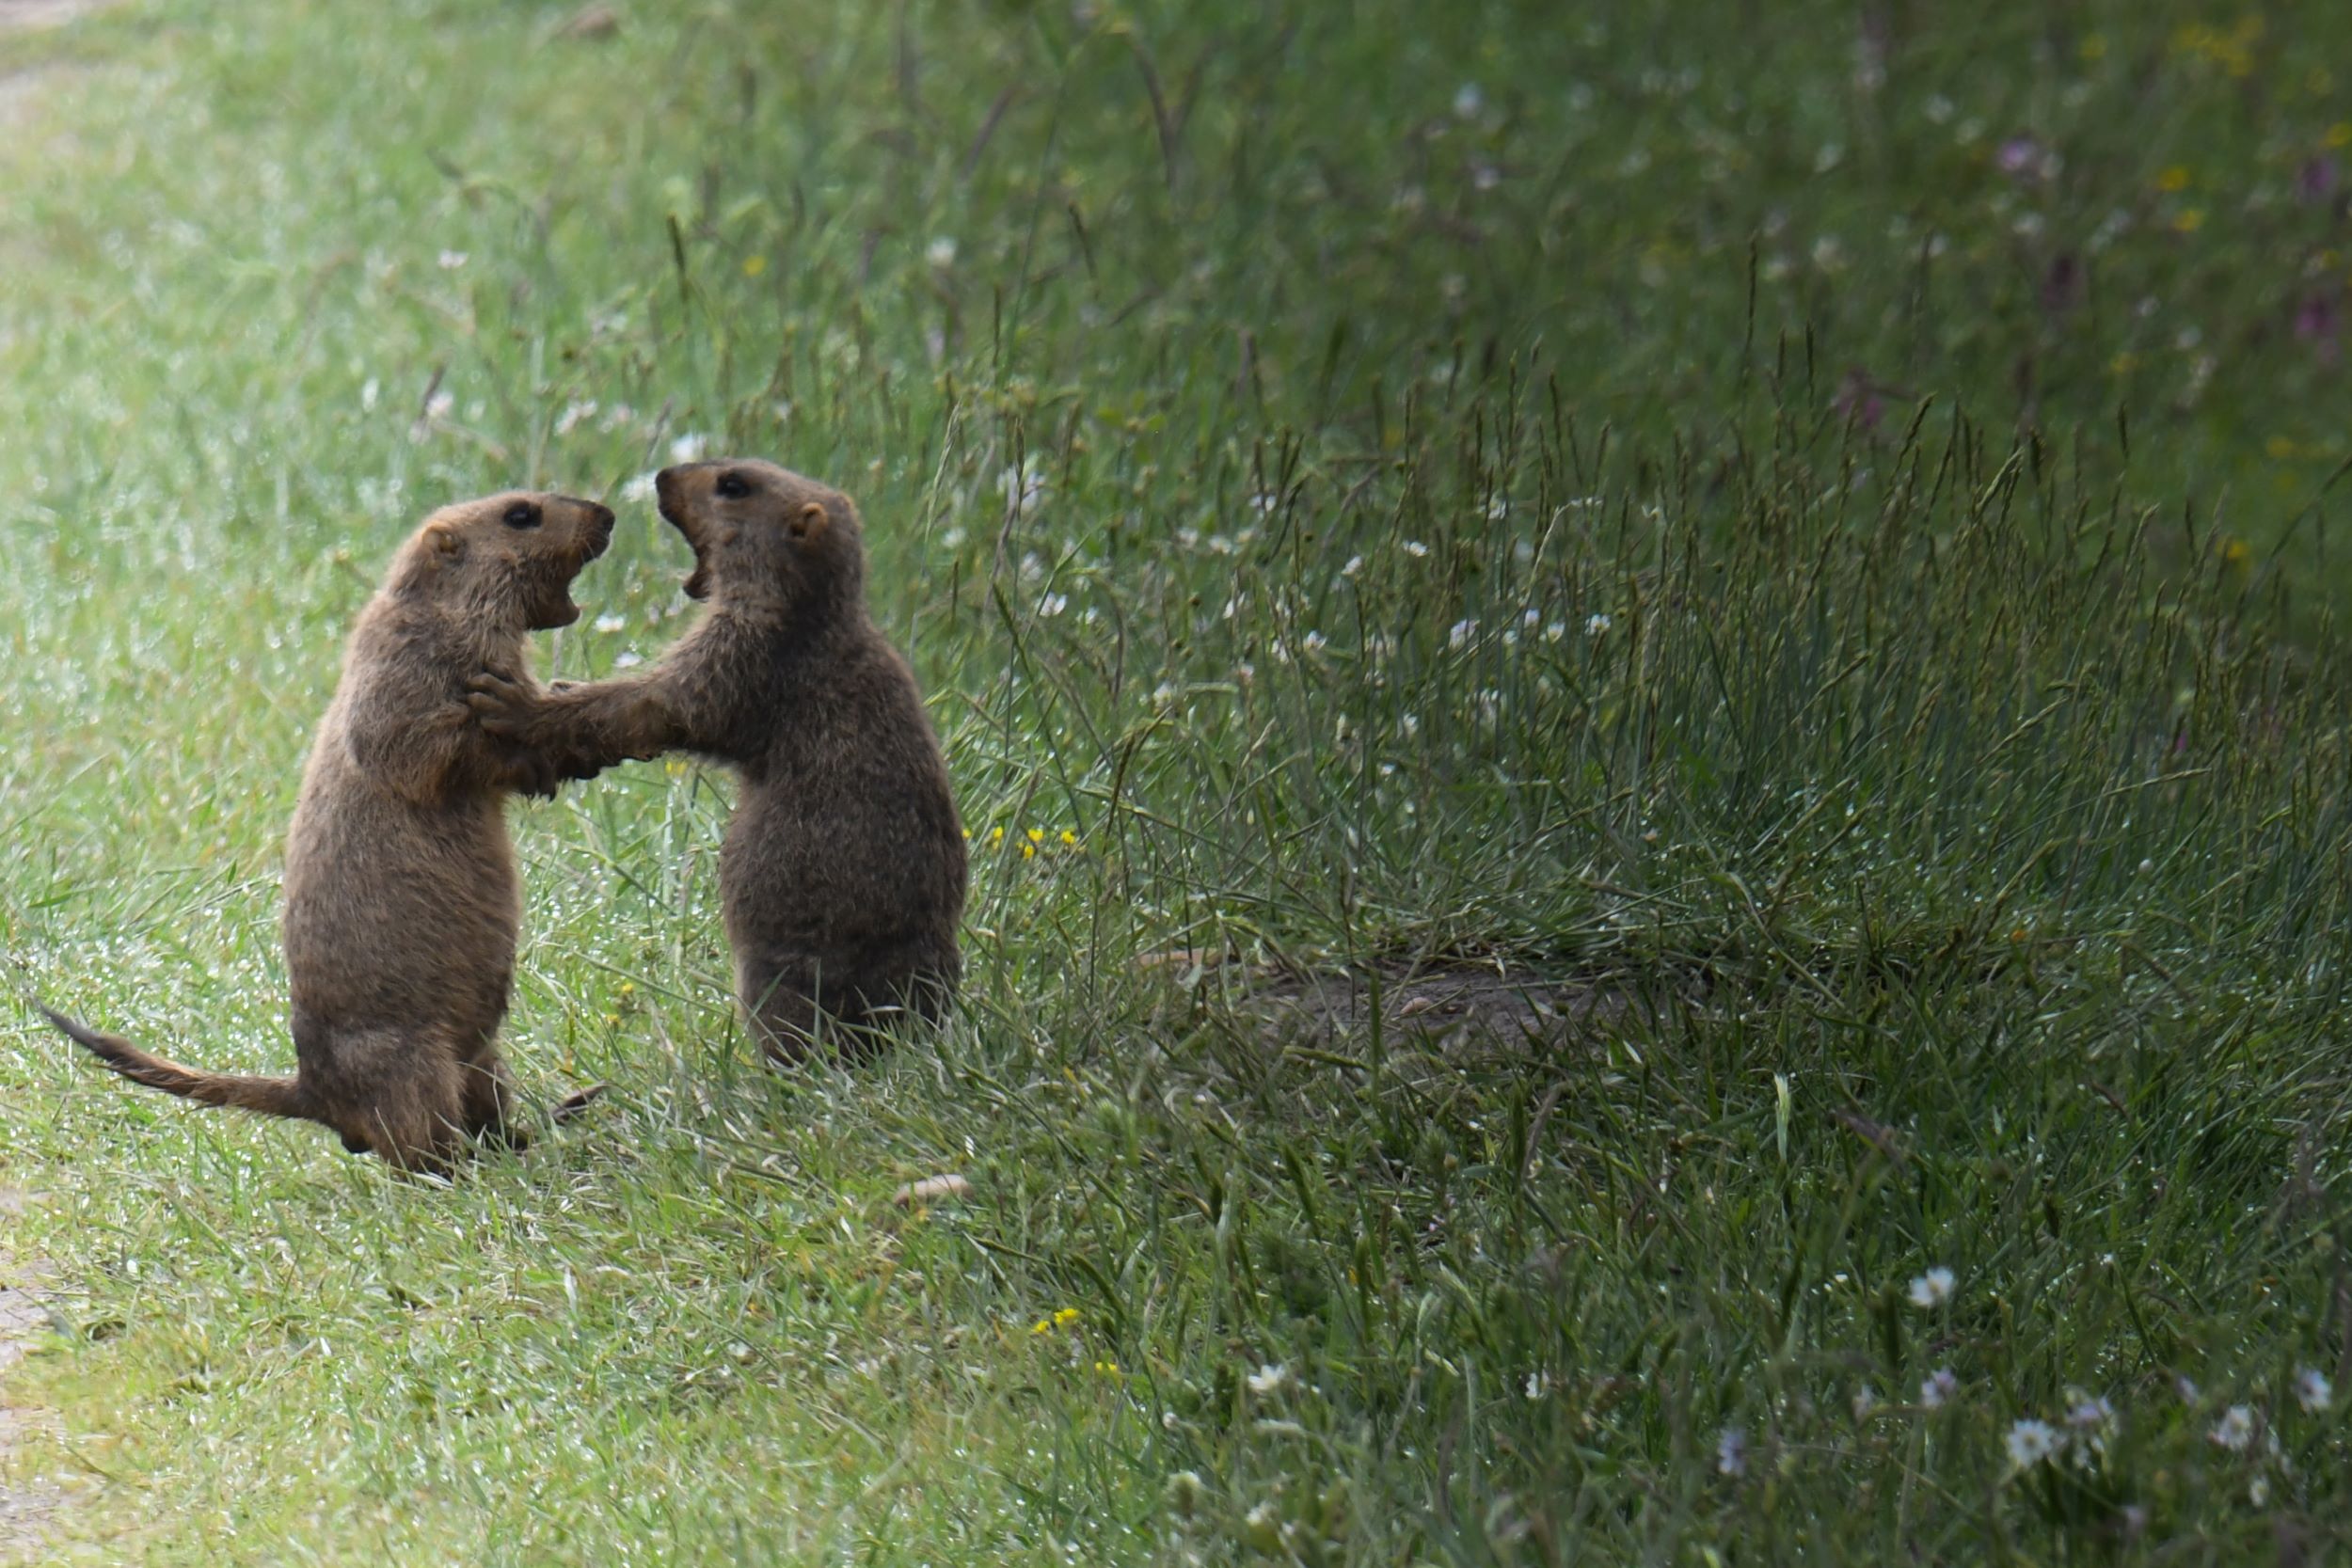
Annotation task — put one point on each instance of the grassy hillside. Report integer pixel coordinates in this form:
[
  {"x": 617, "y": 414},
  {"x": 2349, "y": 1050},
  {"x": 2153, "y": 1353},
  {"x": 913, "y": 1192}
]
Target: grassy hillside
[{"x": 1658, "y": 760}]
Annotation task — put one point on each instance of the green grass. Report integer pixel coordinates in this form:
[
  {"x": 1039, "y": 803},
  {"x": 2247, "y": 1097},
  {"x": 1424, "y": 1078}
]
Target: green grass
[{"x": 1813, "y": 536}]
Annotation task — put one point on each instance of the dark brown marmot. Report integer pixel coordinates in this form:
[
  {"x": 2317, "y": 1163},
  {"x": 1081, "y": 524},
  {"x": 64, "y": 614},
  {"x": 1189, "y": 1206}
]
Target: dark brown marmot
[
  {"x": 842, "y": 877},
  {"x": 401, "y": 901}
]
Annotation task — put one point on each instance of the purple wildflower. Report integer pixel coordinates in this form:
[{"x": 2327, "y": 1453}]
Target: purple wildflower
[{"x": 2316, "y": 179}]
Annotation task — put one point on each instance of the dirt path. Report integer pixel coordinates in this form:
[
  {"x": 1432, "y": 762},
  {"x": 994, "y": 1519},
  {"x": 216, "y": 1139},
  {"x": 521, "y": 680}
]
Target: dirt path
[
  {"x": 26, "y": 1503},
  {"x": 17, "y": 84},
  {"x": 26, "y": 16}
]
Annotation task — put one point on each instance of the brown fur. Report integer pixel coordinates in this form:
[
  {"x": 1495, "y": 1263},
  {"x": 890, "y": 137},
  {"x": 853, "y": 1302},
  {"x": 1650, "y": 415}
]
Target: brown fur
[
  {"x": 402, "y": 900},
  {"x": 842, "y": 875}
]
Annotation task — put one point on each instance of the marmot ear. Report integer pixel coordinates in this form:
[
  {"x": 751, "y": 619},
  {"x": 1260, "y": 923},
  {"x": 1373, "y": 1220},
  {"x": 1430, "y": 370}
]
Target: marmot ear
[
  {"x": 809, "y": 522},
  {"x": 448, "y": 543}
]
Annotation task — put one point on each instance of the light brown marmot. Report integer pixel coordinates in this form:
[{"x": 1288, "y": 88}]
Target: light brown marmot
[
  {"x": 402, "y": 900},
  {"x": 842, "y": 875}
]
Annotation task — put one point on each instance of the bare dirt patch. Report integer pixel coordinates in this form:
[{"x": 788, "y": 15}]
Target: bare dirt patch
[{"x": 1442, "y": 1003}]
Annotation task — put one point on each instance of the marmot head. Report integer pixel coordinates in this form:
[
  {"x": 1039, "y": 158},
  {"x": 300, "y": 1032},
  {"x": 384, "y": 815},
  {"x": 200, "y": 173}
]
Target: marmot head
[
  {"x": 510, "y": 557},
  {"x": 764, "y": 538}
]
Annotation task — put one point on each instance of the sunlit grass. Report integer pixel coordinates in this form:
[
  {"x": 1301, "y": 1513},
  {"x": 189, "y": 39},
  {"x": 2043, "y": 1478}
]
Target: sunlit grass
[{"x": 1642, "y": 508}]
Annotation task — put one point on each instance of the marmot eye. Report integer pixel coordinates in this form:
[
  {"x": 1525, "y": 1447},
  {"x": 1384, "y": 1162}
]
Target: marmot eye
[
  {"x": 733, "y": 487},
  {"x": 522, "y": 514}
]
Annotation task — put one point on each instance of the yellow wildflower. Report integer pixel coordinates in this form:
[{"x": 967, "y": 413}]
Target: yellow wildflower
[
  {"x": 2173, "y": 179},
  {"x": 2190, "y": 221}
]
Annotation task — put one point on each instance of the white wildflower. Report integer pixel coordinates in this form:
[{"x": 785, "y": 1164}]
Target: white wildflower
[
  {"x": 1264, "y": 501},
  {"x": 438, "y": 406},
  {"x": 573, "y": 414},
  {"x": 2235, "y": 1430},
  {"x": 1865, "y": 1401},
  {"x": 452, "y": 260},
  {"x": 1595, "y": 624},
  {"x": 2258, "y": 1491},
  {"x": 1469, "y": 101},
  {"x": 1313, "y": 642},
  {"x": 2091, "y": 1414},
  {"x": 2186, "y": 1389},
  {"x": 2030, "y": 1442},
  {"x": 1461, "y": 634},
  {"x": 1021, "y": 487},
  {"x": 1354, "y": 564},
  {"x": 637, "y": 490},
  {"x": 1163, "y": 693},
  {"x": 627, "y": 661},
  {"x": 1559, "y": 630},
  {"x": 940, "y": 252},
  {"x": 1051, "y": 605},
  {"x": 1931, "y": 1289},
  {"x": 2312, "y": 1391},
  {"x": 1538, "y": 1385},
  {"x": 1415, "y": 548},
  {"x": 690, "y": 447},
  {"x": 609, "y": 623},
  {"x": 1731, "y": 1451},
  {"x": 1938, "y": 1389},
  {"x": 1271, "y": 1378}
]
